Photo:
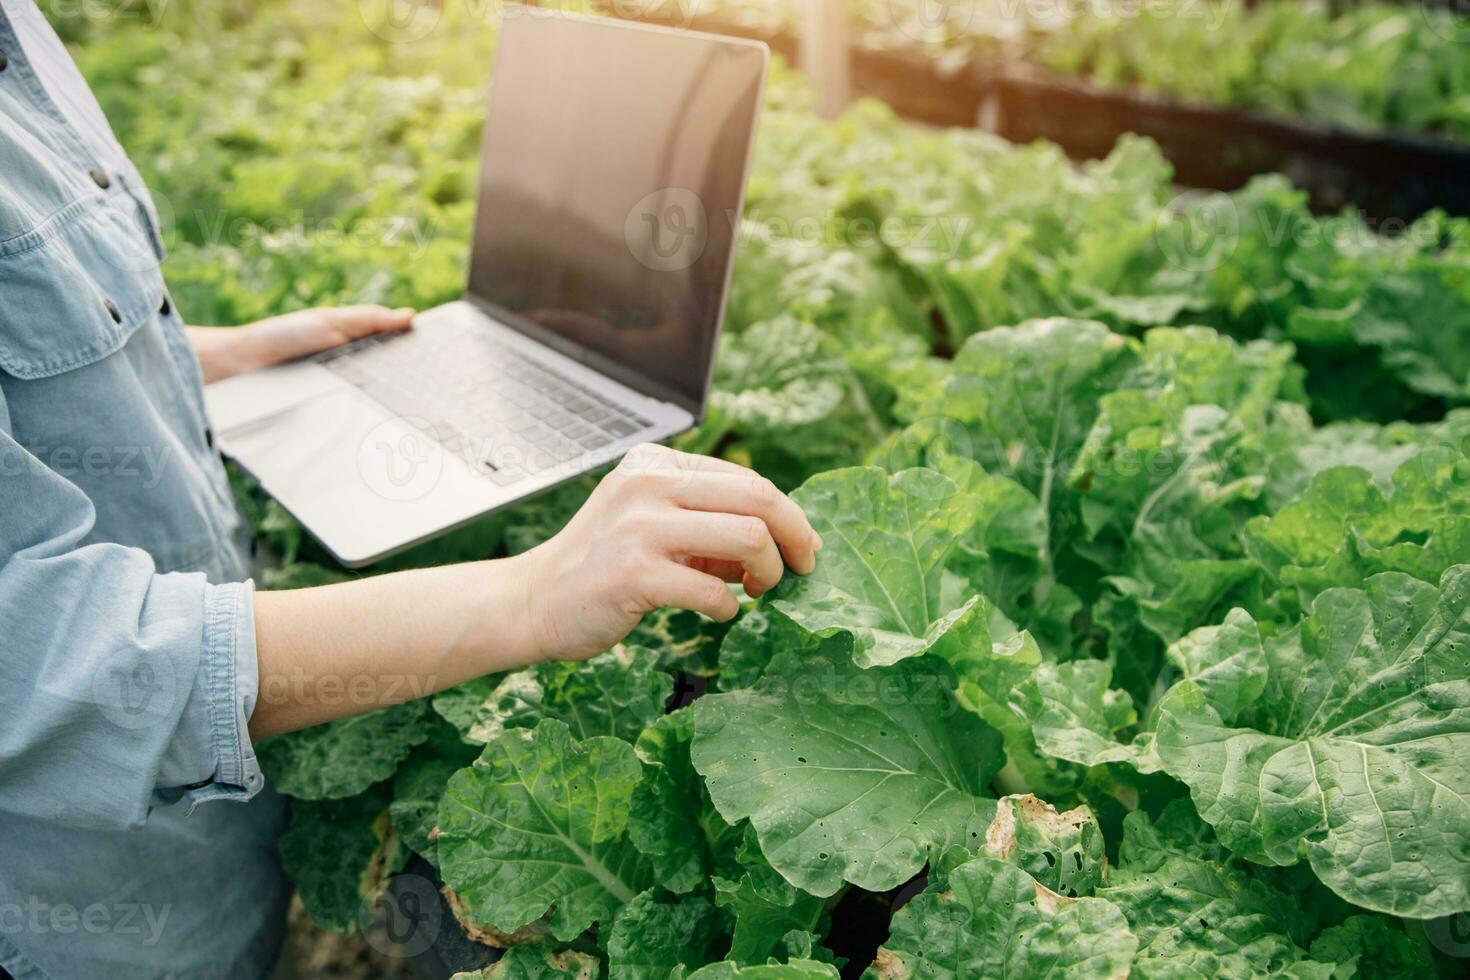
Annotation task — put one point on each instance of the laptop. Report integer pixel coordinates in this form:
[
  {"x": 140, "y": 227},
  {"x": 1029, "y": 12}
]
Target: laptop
[{"x": 613, "y": 170}]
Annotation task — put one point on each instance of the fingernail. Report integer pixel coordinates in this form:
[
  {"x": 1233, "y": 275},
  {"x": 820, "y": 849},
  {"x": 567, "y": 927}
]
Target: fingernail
[{"x": 816, "y": 541}]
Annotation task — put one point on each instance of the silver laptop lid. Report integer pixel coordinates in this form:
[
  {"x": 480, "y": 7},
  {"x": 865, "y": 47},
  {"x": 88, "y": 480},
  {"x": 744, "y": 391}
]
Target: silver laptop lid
[{"x": 612, "y": 176}]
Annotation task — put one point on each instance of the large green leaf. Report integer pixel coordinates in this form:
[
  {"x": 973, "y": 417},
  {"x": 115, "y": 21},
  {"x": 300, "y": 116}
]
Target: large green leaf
[
  {"x": 1343, "y": 528},
  {"x": 1375, "y": 947},
  {"x": 671, "y": 818},
  {"x": 1350, "y": 753},
  {"x": 993, "y": 920},
  {"x": 756, "y": 637},
  {"x": 767, "y": 908},
  {"x": 1005, "y": 554},
  {"x": 538, "y": 823},
  {"x": 1076, "y": 716},
  {"x": 847, "y": 774},
  {"x": 880, "y": 574},
  {"x": 1167, "y": 478},
  {"x": 1196, "y": 911},
  {"x": 344, "y": 757},
  {"x": 1025, "y": 398},
  {"x": 1061, "y": 851},
  {"x": 654, "y": 934},
  {"x": 617, "y": 693}
]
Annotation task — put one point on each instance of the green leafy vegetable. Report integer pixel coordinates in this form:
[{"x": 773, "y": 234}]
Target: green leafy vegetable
[
  {"x": 615, "y": 693},
  {"x": 652, "y": 936},
  {"x": 1346, "y": 750},
  {"x": 848, "y": 774},
  {"x": 671, "y": 818},
  {"x": 993, "y": 920},
  {"x": 881, "y": 574},
  {"x": 539, "y": 823},
  {"x": 342, "y": 758},
  {"x": 340, "y": 854}
]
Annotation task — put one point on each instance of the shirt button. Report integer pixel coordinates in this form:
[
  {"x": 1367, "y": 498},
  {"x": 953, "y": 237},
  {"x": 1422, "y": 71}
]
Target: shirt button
[
  {"x": 4, "y": 61},
  {"x": 165, "y": 309},
  {"x": 100, "y": 178},
  {"x": 112, "y": 310}
]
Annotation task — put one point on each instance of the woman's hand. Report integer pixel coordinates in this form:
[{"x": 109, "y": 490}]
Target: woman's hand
[
  {"x": 227, "y": 351},
  {"x": 664, "y": 529}
]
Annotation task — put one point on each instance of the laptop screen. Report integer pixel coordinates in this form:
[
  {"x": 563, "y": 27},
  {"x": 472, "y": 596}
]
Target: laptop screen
[{"x": 614, "y": 161}]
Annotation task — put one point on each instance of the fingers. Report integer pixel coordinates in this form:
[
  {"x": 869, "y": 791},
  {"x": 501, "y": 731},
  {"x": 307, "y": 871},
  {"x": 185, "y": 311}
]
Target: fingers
[
  {"x": 707, "y": 483},
  {"x": 356, "y": 322},
  {"x": 725, "y": 537},
  {"x": 686, "y": 588},
  {"x": 745, "y": 493},
  {"x": 650, "y": 457},
  {"x": 728, "y": 571}
]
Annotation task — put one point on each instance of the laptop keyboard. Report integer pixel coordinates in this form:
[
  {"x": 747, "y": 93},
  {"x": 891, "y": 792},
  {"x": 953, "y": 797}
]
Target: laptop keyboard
[{"x": 504, "y": 413}]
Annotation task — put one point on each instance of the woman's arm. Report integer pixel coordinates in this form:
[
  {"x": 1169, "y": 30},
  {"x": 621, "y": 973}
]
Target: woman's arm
[
  {"x": 664, "y": 529},
  {"x": 227, "y": 351}
]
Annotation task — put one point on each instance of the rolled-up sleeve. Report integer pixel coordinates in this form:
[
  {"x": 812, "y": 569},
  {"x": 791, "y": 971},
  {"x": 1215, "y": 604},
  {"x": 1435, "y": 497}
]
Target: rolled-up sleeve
[{"x": 121, "y": 689}]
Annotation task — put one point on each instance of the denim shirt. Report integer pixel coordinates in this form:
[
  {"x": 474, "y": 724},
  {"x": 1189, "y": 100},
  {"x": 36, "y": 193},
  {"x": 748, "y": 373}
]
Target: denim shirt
[{"x": 135, "y": 840}]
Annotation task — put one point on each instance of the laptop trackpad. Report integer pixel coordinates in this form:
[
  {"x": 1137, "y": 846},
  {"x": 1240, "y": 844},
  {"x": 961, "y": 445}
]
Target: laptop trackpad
[
  {"x": 251, "y": 397},
  {"x": 362, "y": 479}
]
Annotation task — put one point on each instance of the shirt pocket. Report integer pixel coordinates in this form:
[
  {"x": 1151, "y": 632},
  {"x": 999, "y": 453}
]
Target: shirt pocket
[{"x": 75, "y": 288}]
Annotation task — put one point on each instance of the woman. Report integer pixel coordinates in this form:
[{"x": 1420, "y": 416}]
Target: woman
[{"x": 138, "y": 663}]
